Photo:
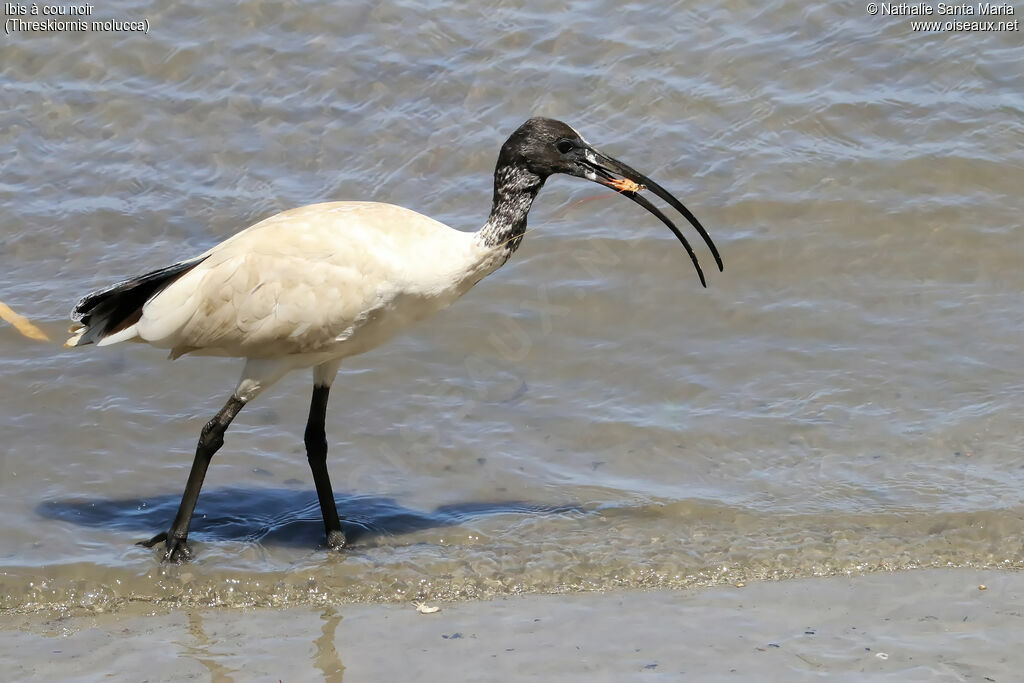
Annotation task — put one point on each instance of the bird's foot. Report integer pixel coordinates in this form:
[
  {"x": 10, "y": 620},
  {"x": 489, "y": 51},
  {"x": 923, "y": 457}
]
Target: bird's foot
[
  {"x": 177, "y": 552},
  {"x": 336, "y": 540}
]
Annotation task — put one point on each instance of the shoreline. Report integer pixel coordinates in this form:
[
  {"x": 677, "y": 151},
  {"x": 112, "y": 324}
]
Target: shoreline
[{"x": 929, "y": 624}]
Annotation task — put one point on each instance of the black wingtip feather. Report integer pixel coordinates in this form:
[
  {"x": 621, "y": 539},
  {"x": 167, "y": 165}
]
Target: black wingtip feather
[{"x": 107, "y": 308}]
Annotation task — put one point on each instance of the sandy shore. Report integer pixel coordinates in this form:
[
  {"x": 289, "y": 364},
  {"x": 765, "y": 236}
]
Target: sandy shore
[{"x": 932, "y": 625}]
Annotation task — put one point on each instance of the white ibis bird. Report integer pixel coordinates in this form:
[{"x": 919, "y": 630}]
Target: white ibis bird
[{"x": 311, "y": 286}]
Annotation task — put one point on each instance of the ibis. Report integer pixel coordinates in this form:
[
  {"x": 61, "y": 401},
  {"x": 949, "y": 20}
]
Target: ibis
[{"x": 309, "y": 287}]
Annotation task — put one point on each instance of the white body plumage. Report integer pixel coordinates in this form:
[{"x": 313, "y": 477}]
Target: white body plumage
[{"x": 310, "y": 286}]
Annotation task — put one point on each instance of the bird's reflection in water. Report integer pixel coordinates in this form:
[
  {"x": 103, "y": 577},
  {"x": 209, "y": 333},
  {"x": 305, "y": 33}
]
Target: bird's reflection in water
[
  {"x": 327, "y": 659},
  {"x": 200, "y": 650},
  {"x": 212, "y": 653}
]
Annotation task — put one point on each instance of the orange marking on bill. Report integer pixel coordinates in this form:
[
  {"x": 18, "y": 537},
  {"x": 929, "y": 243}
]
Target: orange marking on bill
[
  {"x": 21, "y": 323},
  {"x": 625, "y": 185}
]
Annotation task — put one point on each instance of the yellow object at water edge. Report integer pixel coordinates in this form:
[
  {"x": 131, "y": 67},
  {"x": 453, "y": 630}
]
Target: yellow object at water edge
[{"x": 22, "y": 324}]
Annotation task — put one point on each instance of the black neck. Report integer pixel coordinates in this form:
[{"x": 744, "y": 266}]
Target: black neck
[{"x": 515, "y": 188}]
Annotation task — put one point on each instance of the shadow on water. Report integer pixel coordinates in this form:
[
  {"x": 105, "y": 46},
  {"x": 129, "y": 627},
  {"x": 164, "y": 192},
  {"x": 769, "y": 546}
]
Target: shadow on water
[{"x": 278, "y": 516}]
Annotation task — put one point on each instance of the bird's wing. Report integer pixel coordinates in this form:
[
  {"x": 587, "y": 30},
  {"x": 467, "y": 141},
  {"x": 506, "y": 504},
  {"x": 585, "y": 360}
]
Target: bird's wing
[{"x": 308, "y": 280}]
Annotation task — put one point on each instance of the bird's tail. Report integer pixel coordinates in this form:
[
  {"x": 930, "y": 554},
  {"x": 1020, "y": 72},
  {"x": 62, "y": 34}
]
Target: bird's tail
[{"x": 100, "y": 316}]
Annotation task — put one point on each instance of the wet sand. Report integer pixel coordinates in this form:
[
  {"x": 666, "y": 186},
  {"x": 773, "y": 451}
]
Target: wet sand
[{"x": 934, "y": 625}]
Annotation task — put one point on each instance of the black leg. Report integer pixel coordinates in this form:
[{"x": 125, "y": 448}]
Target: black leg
[
  {"x": 316, "y": 453},
  {"x": 210, "y": 440}
]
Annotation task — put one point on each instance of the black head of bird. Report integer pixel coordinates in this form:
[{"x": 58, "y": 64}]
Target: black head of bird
[{"x": 542, "y": 147}]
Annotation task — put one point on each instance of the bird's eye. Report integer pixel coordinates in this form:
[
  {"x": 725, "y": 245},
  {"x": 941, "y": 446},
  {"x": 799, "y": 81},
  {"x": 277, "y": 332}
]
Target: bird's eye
[{"x": 564, "y": 146}]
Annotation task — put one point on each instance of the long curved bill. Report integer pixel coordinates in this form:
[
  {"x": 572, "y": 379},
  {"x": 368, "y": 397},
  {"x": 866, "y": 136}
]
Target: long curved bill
[{"x": 630, "y": 182}]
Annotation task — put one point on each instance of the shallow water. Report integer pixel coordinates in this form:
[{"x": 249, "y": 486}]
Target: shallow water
[{"x": 846, "y": 396}]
